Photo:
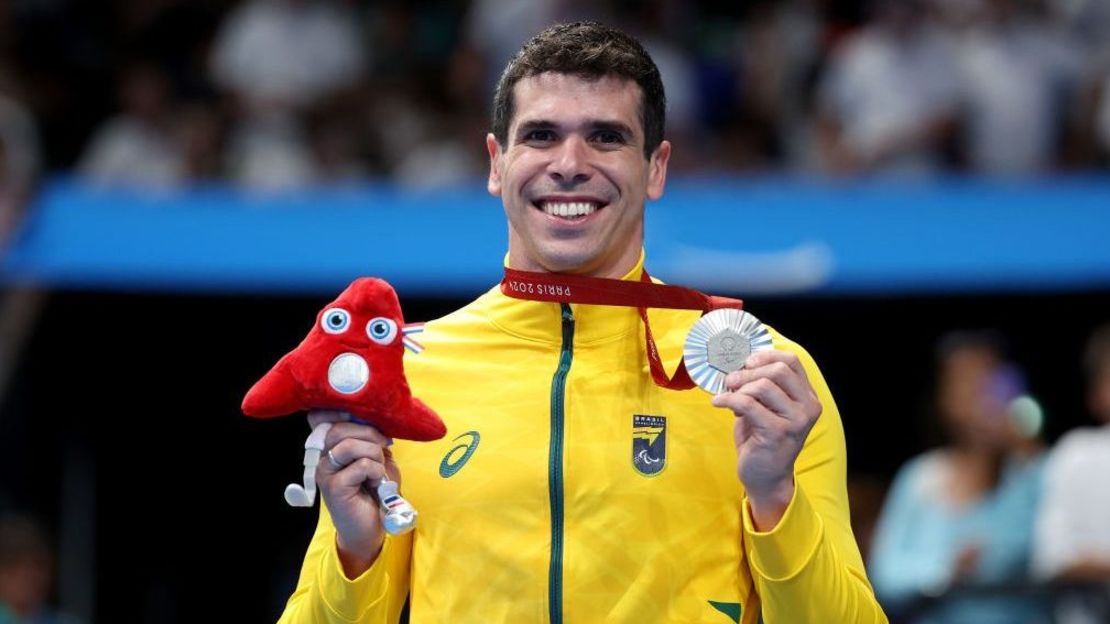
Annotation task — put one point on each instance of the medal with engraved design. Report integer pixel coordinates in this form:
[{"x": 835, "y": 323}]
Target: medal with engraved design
[{"x": 720, "y": 343}]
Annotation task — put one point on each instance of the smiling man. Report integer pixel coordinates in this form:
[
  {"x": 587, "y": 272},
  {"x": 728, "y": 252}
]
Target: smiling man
[
  {"x": 574, "y": 170},
  {"x": 574, "y": 485}
]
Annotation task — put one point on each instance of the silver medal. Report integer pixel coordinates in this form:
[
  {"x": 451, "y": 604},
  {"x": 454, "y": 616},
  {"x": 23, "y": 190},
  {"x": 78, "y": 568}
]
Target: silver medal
[{"x": 720, "y": 343}]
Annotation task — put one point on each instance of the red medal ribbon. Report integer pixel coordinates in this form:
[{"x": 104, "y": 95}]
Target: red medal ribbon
[{"x": 644, "y": 294}]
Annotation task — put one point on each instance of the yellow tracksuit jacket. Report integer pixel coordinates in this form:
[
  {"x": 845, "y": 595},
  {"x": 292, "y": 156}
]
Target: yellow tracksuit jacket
[{"x": 570, "y": 488}]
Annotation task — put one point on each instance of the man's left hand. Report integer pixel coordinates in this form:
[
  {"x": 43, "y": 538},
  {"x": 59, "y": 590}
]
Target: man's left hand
[{"x": 775, "y": 408}]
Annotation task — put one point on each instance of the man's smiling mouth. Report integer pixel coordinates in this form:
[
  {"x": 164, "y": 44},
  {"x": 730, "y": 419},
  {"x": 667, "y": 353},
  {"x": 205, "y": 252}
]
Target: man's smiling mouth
[{"x": 569, "y": 209}]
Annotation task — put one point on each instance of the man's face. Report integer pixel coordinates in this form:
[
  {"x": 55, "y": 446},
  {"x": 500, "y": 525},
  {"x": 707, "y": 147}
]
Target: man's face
[
  {"x": 973, "y": 415},
  {"x": 573, "y": 177}
]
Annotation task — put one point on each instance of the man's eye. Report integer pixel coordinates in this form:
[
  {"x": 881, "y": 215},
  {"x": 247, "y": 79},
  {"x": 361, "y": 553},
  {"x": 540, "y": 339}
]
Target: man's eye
[
  {"x": 608, "y": 136},
  {"x": 540, "y": 136}
]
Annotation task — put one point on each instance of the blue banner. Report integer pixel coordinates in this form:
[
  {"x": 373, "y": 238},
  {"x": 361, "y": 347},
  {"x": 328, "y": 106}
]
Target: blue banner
[{"x": 746, "y": 236}]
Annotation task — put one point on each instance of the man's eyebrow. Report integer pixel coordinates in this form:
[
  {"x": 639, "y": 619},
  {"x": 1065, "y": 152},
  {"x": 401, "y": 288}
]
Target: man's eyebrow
[
  {"x": 534, "y": 124},
  {"x": 613, "y": 126},
  {"x": 596, "y": 125}
]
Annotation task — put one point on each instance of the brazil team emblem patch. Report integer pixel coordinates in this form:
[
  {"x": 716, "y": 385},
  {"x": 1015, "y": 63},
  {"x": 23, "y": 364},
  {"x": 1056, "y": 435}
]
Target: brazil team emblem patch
[{"x": 649, "y": 444}]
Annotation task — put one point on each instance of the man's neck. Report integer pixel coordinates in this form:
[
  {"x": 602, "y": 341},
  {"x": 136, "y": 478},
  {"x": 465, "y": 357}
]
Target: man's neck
[{"x": 615, "y": 270}]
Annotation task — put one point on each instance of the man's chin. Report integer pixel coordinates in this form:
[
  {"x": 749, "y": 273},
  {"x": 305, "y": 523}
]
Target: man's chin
[{"x": 575, "y": 261}]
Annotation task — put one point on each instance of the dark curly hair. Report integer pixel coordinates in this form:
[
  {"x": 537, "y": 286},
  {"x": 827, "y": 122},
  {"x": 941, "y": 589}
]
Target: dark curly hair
[{"x": 592, "y": 51}]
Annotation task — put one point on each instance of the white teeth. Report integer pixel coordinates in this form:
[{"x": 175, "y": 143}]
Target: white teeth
[{"x": 569, "y": 209}]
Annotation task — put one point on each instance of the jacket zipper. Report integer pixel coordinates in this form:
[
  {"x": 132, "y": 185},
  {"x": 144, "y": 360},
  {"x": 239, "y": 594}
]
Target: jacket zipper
[{"x": 555, "y": 469}]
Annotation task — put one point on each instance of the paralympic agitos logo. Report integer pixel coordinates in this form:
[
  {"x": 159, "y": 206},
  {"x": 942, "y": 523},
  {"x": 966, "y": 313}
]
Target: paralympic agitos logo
[{"x": 459, "y": 454}]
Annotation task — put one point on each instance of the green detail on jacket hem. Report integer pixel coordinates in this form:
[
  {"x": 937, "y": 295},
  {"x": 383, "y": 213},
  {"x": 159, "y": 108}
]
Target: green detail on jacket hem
[
  {"x": 731, "y": 609},
  {"x": 555, "y": 469}
]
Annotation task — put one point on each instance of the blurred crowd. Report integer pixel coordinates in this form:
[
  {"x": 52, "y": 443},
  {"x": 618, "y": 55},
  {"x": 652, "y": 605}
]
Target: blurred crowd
[
  {"x": 989, "y": 526},
  {"x": 273, "y": 94}
]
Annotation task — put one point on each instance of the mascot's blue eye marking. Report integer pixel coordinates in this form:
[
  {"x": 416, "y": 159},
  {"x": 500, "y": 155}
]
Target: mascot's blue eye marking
[
  {"x": 381, "y": 330},
  {"x": 335, "y": 321}
]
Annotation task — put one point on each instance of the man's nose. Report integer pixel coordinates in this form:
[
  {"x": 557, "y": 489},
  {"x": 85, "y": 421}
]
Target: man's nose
[{"x": 571, "y": 162}]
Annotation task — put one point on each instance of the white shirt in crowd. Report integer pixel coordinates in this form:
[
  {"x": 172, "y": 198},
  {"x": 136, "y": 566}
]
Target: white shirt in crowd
[
  {"x": 129, "y": 151},
  {"x": 881, "y": 86},
  {"x": 288, "y": 52},
  {"x": 1074, "y": 522},
  {"x": 1016, "y": 77},
  {"x": 1074, "y": 519}
]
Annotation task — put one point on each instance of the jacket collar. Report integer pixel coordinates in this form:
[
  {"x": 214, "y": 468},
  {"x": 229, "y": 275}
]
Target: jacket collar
[{"x": 542, "y": 322}]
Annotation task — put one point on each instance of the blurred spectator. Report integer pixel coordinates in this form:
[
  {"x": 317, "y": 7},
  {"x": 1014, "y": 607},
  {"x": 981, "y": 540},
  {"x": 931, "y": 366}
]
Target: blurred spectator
[
  {"x": 26, "y": 574},
  {"x": 335, "y": 148},
  {"x": 287, "y": 54},
  {"x": 888, "y": 100},
  {"x": 1086, "y": 27},
  {"x": 497, "y": 28},
  {"x": 20, "y": 159},
  {"x": 1017, "y": 76},
  {"x": 138, "y": 146},
  {"x": 405, "y": 38},
  {"x": 432, "y": 133},
  {"x": 444, "y": 156},
  {"x": 1103, "y": 115},
  {"x": 658, "y": 25},
  {"x": 175, "y": 35},
  {"x": 779, "y": 48},
  {"x": 1008, "y": 86},
  {"x": 270, "y": 152},
  {"x": 963, "y": 514},
  {"x": 199, "y": 135},
  {"x": 1073, "y": 525},
  {"x": 1087, "y": 24},
  {"x": 281, "y": 59}
]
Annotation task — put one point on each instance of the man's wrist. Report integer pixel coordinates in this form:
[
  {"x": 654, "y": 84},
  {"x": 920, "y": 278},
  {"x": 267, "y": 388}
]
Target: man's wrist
[
  {"x": 768, "y": 505},
  {"x": 357, "y": 559}
]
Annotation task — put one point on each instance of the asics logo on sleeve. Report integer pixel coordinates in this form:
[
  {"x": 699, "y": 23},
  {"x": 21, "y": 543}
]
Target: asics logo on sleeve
[{"x": 459, "y": 454}]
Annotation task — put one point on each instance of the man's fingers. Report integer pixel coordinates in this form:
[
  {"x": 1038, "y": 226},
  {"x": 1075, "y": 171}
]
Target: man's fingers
[
  {"x": 786, "y": 378},
  {"x": 781, "y": 367},
  {"x": 763, "y": 358},
  {"x": 359, "y": 472},
  {"x": 746, "y": 406},
  {"x": 343, "y": 430},
  {"x": 769, "y": 394},
  {"x": 348, "y": 450}
]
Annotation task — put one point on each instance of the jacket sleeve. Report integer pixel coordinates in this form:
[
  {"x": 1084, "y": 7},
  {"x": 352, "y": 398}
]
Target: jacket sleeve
[
  {"x": 808, "y": 568},
  {"x": 324, "y": 594}
]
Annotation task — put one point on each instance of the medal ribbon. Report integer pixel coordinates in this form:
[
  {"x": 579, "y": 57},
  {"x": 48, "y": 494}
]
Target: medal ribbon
[{"x": 644, "y": 294}]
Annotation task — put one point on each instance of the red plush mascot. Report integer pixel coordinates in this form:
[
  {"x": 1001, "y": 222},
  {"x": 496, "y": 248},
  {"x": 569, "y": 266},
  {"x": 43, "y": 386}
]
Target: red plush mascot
[{"x": 351, "y": 364}]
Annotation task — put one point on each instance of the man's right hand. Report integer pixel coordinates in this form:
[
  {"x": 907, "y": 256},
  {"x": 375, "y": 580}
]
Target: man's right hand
[{"x": 363, "y": 455}]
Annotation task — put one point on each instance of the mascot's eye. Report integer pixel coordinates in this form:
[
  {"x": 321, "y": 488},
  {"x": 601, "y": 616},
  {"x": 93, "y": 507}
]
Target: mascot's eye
[
  {"x": 335, "y": 321},
  {"x": 381, "y": 330}
]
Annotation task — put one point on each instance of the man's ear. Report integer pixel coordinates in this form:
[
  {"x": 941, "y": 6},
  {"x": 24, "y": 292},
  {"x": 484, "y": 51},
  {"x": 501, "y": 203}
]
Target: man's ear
[
  {"x": 494, "y": 183},
  {"x": 657, "y": 170}
]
